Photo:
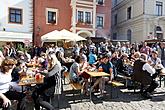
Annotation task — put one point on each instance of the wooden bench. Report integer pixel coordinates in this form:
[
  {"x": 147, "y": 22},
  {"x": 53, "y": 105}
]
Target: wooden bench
[
  {"x": 75, "y": 86},
  {"x": 124, "y": 78},
  {"x": 135, "y": 83},
  {"x": 115, "y": 84}
]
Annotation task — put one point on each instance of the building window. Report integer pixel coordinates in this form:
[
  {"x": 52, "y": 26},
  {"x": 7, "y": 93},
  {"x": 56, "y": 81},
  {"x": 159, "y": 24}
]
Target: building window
[
  {"x": 115, "y": 2},
  {"x": 129, "y": 13},
  {"x": 129, "y": 35},
  {"x": 88, "y": 17},
  {"x": 51, "y": 16},
  {"x": 159, "y": 7},
  {"x": 15, "y": 15},
  {"x": 114, "y": 36},
  {"x": 100, "y": 21},
  {"x": 115, "y": 19},
  {"x": 80, "y": 16},
  {"x": 100, "y": 2}
]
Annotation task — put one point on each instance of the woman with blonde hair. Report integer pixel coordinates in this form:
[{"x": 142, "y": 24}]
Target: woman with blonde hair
[
  {"x": 51, "y": 86},
  {"x": 5, "y": 78}
]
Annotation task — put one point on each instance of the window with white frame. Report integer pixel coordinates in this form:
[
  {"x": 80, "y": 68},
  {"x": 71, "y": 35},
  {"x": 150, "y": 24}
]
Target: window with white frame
[
  {"x": 51, "y": 15},
  {"x": 80, "y": 16},
  {"x": 100, "y": 21},
  {"x": 15, "y": 15},
  {"x": 84, "y": 16},
  {"x": 159, "y": 8},
  {"x": 100, "y": 2},
  {"x": 88, "y": 17}
]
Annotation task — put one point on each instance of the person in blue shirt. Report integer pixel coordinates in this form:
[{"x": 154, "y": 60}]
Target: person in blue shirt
[
  {"x": 92, "y": 58},
  {"x": 107, "y": 67}
]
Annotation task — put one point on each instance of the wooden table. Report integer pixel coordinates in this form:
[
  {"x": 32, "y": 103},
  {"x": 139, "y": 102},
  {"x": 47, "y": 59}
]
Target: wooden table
[
  {"x": 26, "y": 81},
  {"x": 95, "y": 74},
  {"x": 161, "y": 75}
]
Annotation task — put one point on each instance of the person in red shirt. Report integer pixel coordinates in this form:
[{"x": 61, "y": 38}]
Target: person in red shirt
[{"x": 145, "y": 49}]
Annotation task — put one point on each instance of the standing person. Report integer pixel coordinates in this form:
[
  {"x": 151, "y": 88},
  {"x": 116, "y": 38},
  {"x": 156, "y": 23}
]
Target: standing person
[
  {"x": 162, "y": 53},
  {"x": 12, "y": 51},
  {"x": 5, "y": 78},
  {"x": 145, "y": 49},
  {"x": 51, "y": 86},
  {"x": 76, "y": 51},
  {"x": 1, "y": 57},
  {"x": 6, "y": 49}
]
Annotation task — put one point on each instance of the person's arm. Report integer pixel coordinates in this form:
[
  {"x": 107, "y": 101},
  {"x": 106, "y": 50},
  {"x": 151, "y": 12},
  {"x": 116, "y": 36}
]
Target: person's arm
[
  {"x": 148, "y": 68},
  {"x": 6, "y": 101}
]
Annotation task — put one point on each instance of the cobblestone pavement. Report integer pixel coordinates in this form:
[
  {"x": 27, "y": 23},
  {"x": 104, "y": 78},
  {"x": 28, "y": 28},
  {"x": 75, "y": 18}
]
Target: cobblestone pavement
[
  {"x": 126, "y": 100},
  {"x": 123, "y": 99}
]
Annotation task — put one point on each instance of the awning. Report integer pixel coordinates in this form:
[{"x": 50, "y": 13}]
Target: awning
[{"x": 15, "y": 36}]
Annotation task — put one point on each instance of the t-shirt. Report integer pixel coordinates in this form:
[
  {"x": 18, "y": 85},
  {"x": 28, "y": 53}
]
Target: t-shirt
[
  {"x": 92, "y": 58},
  {"x": 106, "y": 67},
  {"x": 5, "y": 80}
]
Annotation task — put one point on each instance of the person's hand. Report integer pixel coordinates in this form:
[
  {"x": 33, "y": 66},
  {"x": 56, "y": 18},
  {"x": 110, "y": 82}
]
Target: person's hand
[{"x": 6, "y": 102}]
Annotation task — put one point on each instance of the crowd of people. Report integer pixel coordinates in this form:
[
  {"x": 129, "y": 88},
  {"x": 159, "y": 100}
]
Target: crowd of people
[{"x": 137, "y": 60}]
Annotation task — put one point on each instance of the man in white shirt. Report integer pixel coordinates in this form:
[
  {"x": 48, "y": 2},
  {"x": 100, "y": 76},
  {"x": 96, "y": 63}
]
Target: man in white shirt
[{"x": 147, "y": 67}]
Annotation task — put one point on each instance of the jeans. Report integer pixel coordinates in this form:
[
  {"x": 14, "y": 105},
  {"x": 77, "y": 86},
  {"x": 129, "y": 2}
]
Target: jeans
[
  {"x": 43, "y": 93},
  {"x": 43, "y": 101}
]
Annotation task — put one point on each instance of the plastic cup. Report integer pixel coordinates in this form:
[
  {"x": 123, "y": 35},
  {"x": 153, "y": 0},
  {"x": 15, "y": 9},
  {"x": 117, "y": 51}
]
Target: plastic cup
[{"x": 37, "y": 77}]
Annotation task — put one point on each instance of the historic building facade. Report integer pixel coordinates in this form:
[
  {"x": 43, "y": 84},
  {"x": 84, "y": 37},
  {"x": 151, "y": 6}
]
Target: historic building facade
[
  {"x": 16, "y": 21},
  {"x": 88, "y": 18},
  {"x": 138, "y": 20}
]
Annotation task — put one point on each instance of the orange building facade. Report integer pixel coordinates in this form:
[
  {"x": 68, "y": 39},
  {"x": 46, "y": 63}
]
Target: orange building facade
[{"x": 88, "y": 18}]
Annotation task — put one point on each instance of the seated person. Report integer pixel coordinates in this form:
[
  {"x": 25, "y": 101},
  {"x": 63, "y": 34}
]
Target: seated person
[
  {"x": 5, "y": 93},
  {"x": 120, "y": 66},
  {"x": 75, "y": 72},
  {"x": 106, "y": 67},
  {"x": 43, "y": 61},
  {"x": 143, "y": 73},
  {"x": 52, "y": 84},
  {"x": 155, "y": 61},
  {"x": 16, "y": 74},
  {"x": 78, "y": 76}
]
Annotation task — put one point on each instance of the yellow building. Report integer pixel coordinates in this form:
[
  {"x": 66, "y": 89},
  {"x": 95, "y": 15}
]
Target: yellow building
[{"x": 138, "y": 20}]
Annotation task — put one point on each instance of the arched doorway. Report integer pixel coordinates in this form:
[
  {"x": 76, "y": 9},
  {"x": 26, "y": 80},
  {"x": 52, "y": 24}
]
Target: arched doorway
[
  {"x": 129, "y": 34},
  {"x": 85, "y": 34},
  {"x": 159, "y": 33}
]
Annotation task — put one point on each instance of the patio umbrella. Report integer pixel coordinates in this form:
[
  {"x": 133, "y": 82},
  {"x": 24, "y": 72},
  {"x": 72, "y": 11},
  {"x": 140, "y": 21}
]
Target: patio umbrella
[
  {"x": 71, "y": 36},
  {"x": 53, "y": 36}
]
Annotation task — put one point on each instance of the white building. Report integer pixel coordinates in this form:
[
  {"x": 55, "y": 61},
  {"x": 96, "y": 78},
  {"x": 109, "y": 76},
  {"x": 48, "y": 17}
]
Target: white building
[
  {"x": 16, "y": 20},
  {"x": 138, "y": 20}
]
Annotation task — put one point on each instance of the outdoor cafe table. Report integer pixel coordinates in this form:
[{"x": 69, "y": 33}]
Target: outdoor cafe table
[
  {"x": 95, "y": 74},
  {"x": 26, "y": 81}
]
